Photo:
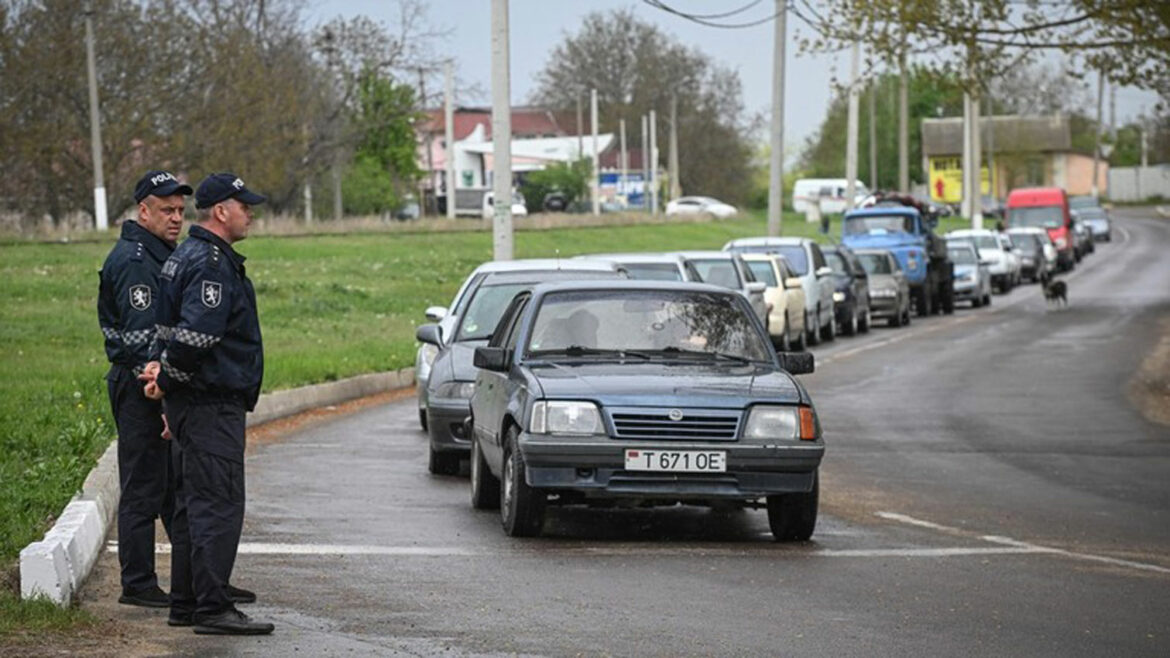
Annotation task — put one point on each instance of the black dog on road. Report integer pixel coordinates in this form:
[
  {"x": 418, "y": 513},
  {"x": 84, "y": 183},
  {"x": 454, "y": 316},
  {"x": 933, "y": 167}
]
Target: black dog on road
[{"x": 1056, "y": 291}]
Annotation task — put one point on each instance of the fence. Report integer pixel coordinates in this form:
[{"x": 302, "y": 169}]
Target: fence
[{"x": 1139, "y": 183}]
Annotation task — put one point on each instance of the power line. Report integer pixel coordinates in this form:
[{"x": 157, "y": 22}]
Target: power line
[
  {"x": 702, "y": 20},
  {"x": 727, "y": 13}
]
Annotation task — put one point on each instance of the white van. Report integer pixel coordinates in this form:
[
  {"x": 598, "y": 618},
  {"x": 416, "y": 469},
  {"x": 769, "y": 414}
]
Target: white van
[
  {"x": 519, "y": 209},
  {"x": 831, "y": 192}
]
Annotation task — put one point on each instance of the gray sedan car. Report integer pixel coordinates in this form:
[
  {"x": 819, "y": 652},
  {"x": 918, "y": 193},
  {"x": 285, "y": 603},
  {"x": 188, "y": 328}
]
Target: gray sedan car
[
  {"x": 452, "y": 377},
  {"x": 641, "y": 393},
  {"x": 889, "y": 291}
]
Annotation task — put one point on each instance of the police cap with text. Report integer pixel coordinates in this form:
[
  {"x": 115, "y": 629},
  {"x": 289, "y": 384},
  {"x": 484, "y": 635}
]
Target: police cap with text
[
  {"x": 217, "y": 188},
  {"x": 159, "y": 183}
]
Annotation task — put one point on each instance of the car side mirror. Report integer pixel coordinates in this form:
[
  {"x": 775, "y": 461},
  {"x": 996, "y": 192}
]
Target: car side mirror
[
  {"x": 824, "y": 270},
  {"x": 492, "y": 358},
  {"x": 435, "y": 313},
  {"x": 797, "y": 363},
  {"x": 792, "y": 282},
  {"x": 756, "y": 287},
  {"x": 429, "y": 333}
]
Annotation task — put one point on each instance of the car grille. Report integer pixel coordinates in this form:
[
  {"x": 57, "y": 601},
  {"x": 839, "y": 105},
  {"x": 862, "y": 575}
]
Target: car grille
[{"x": 695, "y": 424}]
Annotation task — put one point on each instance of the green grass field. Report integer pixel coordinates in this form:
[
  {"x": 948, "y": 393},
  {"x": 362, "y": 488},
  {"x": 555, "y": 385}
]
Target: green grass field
[{"x": 330, "y": 307}]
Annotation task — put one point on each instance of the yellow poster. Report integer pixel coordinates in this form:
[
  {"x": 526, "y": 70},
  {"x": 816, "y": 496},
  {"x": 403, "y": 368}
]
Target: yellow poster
[{"x": 946, "y": 179}]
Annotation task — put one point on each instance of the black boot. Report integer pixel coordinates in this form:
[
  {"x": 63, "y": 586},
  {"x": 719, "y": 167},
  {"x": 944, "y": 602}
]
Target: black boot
[
  {"x": 230, "y": 622},
  {"x": 147, "y": 598},
  {"x": 238, "y": 595}
]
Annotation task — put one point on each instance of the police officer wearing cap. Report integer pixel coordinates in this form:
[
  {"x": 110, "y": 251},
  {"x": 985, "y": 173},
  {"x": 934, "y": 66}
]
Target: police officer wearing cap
[
  {"x": 209, "y": 366},
  {"x": 127, "y": 301}
]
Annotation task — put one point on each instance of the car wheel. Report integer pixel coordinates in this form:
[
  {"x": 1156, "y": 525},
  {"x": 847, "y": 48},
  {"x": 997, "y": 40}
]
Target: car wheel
[
  {"x": 786, "y": 339},
  {"x": 812, "y": 330},
  {"x": 422, "y": 419},
  {"x": 896, "y": 319},
  {"x": 864, "y": 324},
  {"x": 850, "y": 329},
  {"x": 443, "y": 463},
  {"x": 485, "y": 487},
  {"x": 908, "y": 315},
  {"x": 793, "y": 516},
  {"x": 798, "y": 344},
  {"x": 987, "y": 299},
  {"x": 977, "y": 302},
  {"x": 521, "y": 507},
  {"x": 922, "y": 303},
  {"x": 829, "y": 331}
]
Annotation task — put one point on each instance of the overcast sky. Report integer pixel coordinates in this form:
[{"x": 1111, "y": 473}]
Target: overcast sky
[{"x": 537, "y": 26}]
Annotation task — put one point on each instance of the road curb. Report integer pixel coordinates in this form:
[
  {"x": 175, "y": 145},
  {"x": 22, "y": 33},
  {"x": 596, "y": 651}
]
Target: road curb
[{"x": 56, "y": 566}]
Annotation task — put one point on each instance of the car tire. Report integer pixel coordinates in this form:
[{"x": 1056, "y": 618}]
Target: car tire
[
  {"x": 422, "y": 419},
  {"x": 812, "y": 330},
  {"x": 793, "y": 516},
  {"x": 829, "y": 331},
  {"x": 896, "y": 319},
  {"x": 485, "y": 487},
  {"x": 977, "y": 302},
  {"x": 908, "y": 316},
  {"x": 798, "y": 345},
  {"x": 850, "y": 329},
  {"x": 865, "y": 322},
  {"x": 443, "y": 463},
  {"x": 987, "y": 299},
  {"x": 922, "y": 303},
  {"x": 521, "y": 507},
  {"x": 786, "y": 339}
]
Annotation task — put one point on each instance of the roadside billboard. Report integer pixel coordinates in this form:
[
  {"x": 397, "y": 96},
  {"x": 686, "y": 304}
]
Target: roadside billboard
[{"x": 946, "y": 179}]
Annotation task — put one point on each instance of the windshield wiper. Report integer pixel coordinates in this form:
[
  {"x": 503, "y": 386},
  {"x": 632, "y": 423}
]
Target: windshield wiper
[
  {"x": 715, "y": 355},
  {"x": 578, "y": 350}
]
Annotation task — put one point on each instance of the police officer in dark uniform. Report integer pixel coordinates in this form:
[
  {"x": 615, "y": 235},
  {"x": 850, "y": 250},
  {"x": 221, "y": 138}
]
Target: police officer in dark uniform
[
  {"x": 210, "y": 364},
  {"x": 127, "y": 301}
]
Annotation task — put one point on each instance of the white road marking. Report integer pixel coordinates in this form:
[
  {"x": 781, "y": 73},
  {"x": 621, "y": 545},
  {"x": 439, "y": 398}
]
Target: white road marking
[{"x": 1025, "y": 547}]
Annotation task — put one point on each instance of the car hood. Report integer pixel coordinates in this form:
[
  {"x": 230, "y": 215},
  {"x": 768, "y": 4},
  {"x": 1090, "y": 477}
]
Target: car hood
[
  {"x": 961, "y": 270},
  {"x": 882, "y": 281},
  {"x": 661, "y": 384}
]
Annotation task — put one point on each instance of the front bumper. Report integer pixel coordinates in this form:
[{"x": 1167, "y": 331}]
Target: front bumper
[
  {"x": 966, "y": 291},
  {"x": 883, "y": 307},
  {"x": 445, "y": 418},
  {"x": 595, "y": 466}
]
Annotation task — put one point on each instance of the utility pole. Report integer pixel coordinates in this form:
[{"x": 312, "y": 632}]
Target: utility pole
[
  {"x": 580, "y": 130},
  {"x": 873, "y": 170},
  {"x": 422, "y": 97},
  {"x": 903, "y": 127},
  {"x": 965, "y": 202},
  {"x": 331, "y": 61},
  {"x": 101, "y": 221},
  {"x": 851, "y": 131},
  {"x": 449, "y": 120},
  {"x": 625, "y": 163},
  {"x": 501, "y": 134},
  {"x": 594, "y": 192},
  {"x": 645, "y": 163},
  {"x": 992, "y": 178},
  {"x": 1113, "y": 111},
  {"x": 776, "y": 130},
  {"x": 1097, "y": 130},
  {"x": 675, "y": 185},
  {"x": 976, "y": 165},
  {"x": 653, "y": 164}
]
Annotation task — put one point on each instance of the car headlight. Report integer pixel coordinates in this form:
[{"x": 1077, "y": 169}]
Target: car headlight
[
  {"x": 565, "y": 417},
  {"x": 838, "y": 296},
  {"x": 429, "y": 352},
  {"x": 775, "y": 422},
  {"x": 460, "y": 390}
]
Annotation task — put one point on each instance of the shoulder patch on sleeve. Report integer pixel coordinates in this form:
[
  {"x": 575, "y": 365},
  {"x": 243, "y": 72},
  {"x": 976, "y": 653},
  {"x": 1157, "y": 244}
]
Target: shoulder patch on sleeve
[
  {"x": 140, "y": 297},
  {"x": 212, "y": 293}
]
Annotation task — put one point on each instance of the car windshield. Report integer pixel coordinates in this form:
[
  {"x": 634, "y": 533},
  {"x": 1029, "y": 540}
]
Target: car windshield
[
  {"x": 1091, "y": 213},
  {"x": 1024, "y": 241},
  {"x": 985, "y": 242},
  {"x": 763, "y": 271},
  {"x": 875, "y": 263},
  {"x": 794, "y": 254},
  {"x": 837, "y": 262},
  {"x": 1082, "y": 202},
  {"x": 671, "y": 323},
  {"x": 1043, "y": 216},
  {"x": 653, "y": 271},
  {"x": 961, "y": 256},
  {"x": 718, "y": 272},
  {"x": 485, "y": 308},
  {"x": 877, "y": 224}
]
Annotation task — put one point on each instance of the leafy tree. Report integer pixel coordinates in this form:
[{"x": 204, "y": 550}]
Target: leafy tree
[
  {"x": 384, "y": 167},
  {"x": 635, "y": 68},
  {"x": 568, "y": 178}
]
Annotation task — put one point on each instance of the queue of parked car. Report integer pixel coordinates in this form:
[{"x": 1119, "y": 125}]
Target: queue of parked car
[{"x": 649, "y": 379}]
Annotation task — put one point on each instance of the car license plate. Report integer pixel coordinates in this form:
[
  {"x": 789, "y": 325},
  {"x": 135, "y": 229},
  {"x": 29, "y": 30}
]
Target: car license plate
[{"x": 677, "y": 461}]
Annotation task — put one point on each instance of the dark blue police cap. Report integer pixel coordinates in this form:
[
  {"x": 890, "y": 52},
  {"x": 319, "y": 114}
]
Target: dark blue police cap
[
  {"x": 221, "y": 187},
  {"x": 159, "y": 183}
]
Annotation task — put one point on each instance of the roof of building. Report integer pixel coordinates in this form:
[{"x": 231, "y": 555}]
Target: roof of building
[
  {"x": 1001, "y": 133},
  {"x": 526, "y": 122}
]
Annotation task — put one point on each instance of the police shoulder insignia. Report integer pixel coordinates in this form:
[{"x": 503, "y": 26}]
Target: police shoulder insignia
[
  {"x": 170, "y": 267},
  {"x": 140, "y": 297},
  {"x": 212, "y": 293}
]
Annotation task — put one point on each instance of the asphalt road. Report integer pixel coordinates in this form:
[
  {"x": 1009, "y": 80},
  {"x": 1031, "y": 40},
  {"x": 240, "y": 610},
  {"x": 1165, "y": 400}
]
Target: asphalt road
[{"x": 988, "y": 490}]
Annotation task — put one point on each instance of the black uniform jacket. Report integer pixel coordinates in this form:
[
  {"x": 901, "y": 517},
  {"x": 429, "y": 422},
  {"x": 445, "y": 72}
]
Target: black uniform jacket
[{"x": 128, "y": 295}]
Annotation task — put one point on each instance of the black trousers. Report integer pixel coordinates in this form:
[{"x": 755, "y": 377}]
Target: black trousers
[
  {"x": 144, "y": 472},
  {"x": 209, "y": 507}
]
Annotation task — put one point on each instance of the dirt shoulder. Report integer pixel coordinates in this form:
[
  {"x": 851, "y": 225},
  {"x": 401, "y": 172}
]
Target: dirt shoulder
[{"x": 1149, "y": 389}]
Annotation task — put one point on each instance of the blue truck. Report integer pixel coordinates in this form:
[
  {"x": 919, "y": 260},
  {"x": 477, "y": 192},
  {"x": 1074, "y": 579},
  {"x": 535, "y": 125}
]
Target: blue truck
[{"x": 904, "y": 227}]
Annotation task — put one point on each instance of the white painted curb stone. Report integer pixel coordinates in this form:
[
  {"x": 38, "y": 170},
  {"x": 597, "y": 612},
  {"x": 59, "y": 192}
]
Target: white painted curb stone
[{"x": 58, "y": 565}]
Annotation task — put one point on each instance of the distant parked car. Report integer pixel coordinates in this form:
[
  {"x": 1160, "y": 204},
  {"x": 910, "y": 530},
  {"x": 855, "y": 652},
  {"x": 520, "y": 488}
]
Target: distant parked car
[
  {"x": 785, "y": 297},
  {"x": 996, "y": 249},
  {"x": 447, "y": 317},
  {"x": 1034, "y": 264},
  {"x": 851, "y": 298},
  {"x": 991, "y": 207},
  {"x": 1082, "y": 237},
  {"x": 729, "y": 271},
  {"x": 806, "y": 261},
  {"x": 519, "y": 209},
  {"x": 653, "y": 393},
  {"x": 700, "y": 205},
  {"x": 1050, "y": 254},
  {"x": 972, "y": 275},
  {"x": 889, "y": 290},
  {"x": 1098, "y": 222},
  {"x": 651, "y": 266}
]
